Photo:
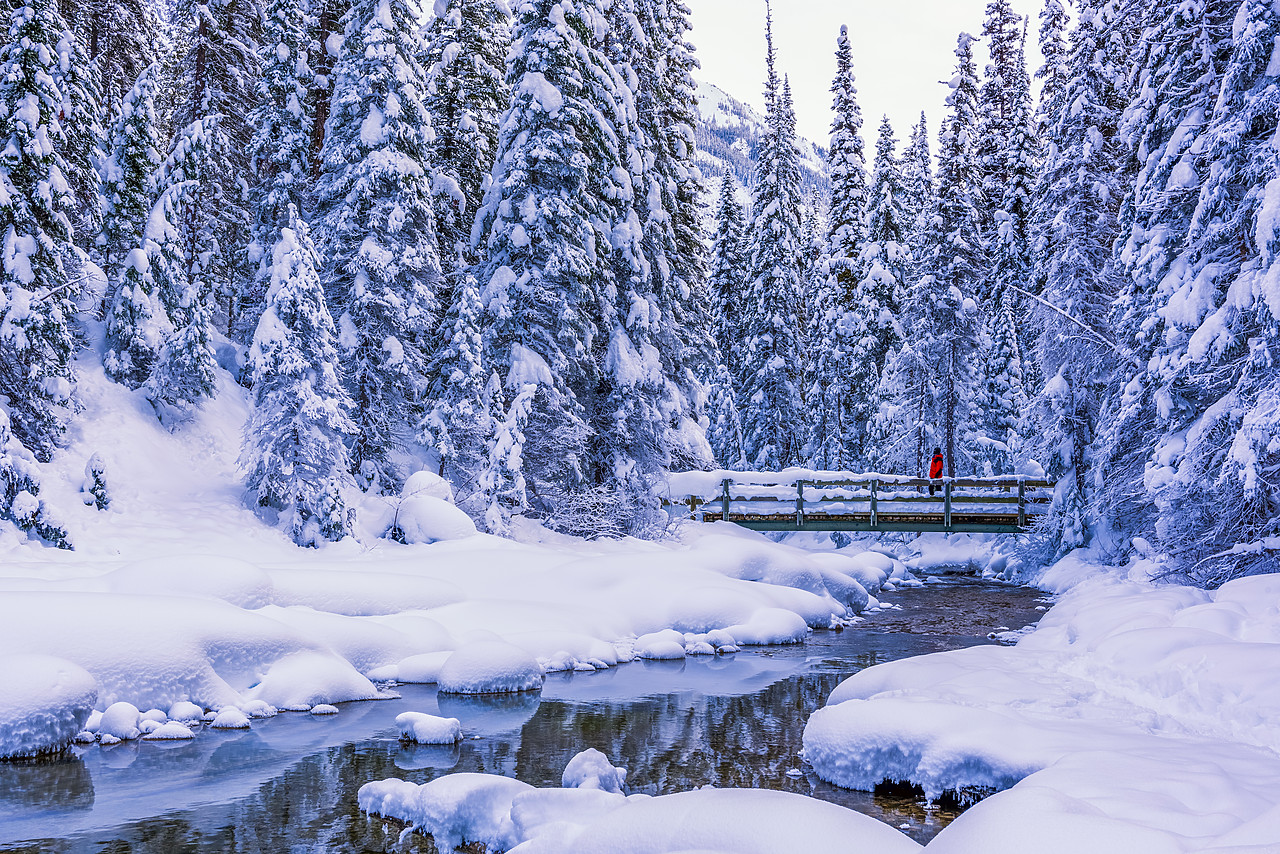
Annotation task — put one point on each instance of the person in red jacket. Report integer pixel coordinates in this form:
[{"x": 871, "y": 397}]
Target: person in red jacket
[{"x": 935, "y": 468}]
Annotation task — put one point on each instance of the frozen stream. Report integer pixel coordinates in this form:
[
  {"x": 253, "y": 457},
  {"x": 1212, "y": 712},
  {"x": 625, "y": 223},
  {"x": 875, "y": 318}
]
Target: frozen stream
[{"x": 290, "y": 783}]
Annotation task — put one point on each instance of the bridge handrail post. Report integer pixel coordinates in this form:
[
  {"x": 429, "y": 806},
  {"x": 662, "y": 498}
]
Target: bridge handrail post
[
  {"x": 724, "y": 499},
  {"x": 1022, "y": 504},
  {"x": 800, "y": 503},
  {"x": 874, "y": 517},
  {"x": 946, "y": 504}
]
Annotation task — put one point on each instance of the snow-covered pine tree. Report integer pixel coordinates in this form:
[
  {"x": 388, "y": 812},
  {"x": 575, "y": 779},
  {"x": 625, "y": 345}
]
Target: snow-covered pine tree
[
  {"x": 295, "y": 448},
  {"x": 279, "y": 152},
  {"x": 465, "y": 61},
  {"x": 998, "y": 98},
  {"x": 1001, "y": 399},
  {"x": 94, "y": 489},
  {"x": 834, "y": 431},
  {"x": 81, "y": 120},
  {"x": 121, "y": 37},
  {"x": 137, "y": 322},
  {"x": 1054, "y": 75},
  {"x": 182, "y": 244},
  {"x": 459, "y": 427},
  {"x": 727, "y": 277},
  {"x": 917, "y": 179},
  {"x": 20, "y": 501},
  {"x": 944, "y": 315},
  {"x": 1009, "y": 242},
  {"x": 215, "y": 78},
  {"x": 773, "y": 369},
  {"x": 1179, "y": 61},
  {"x": 1081, "y": 190},
  {"x": 725, "y": 431},
  {"x": 503, "y": 481},
  {"x": 900, "y": 433},
  {"x": 884, "y": 268},
  {"x": 547, "y": 227},
  {"x": 1214, "y": 471},
  {"x": 376, "y": 230},
  {"x": 36, "y": 293},
  {"x": 668, "y": 192}
]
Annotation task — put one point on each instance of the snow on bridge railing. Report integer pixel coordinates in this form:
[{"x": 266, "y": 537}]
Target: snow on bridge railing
[{"x": 799, "y": 499}]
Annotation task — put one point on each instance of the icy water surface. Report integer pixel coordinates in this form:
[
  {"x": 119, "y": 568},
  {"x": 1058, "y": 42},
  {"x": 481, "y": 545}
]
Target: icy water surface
[{"x": 290, "y": 783}]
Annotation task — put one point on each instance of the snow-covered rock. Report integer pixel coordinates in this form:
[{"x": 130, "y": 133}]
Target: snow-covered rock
[
  {"x": 44, "y": 703},
  {"x": 426, "y": 519},
  {"x": 429, "y": 729},
  {"x": 490, "y": 667},
  {"x": 591, "y": 769}
]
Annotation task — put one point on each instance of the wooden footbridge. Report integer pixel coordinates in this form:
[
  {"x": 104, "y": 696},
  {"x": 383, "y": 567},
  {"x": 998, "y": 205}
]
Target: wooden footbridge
[{"x": 837, "y": 501}]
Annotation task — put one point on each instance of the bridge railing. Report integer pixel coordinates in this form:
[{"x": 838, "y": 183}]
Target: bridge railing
[{"x": 871, "y": 502}]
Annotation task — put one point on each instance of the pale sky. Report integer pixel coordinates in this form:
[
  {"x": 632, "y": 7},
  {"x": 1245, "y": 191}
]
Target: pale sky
[{"x": 901, "y": 53}]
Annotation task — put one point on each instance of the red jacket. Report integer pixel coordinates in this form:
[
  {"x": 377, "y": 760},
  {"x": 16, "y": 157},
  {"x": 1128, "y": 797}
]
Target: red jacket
[{"x": 935, "y": 467}]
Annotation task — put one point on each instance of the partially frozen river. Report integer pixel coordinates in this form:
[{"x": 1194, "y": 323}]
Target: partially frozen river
[{"x": 289, "y": 784}]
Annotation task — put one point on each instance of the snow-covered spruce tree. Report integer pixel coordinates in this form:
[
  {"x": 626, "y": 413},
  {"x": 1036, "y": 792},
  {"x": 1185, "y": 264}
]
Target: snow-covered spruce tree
[
  {"x": 917, "y": 180},
  {"x": 216, "y": 77},
  {"x": 376, "y": 230},
  {"x": 503, "y": 481},
  {"x": 668, "y": 201},
  {"x": 727, "y": 277},
  {"x": 279, "y": 152},
  {"x": 1179, "y": 61},
  {"x": 830, "y": 398},
  {"x": 459, "y": 427},
  {"x": 137, "y": 322},
  {"x": 121, "y": 39},
  {"x": 1079, "y": 199},
  {"x": 725, "y": 431},
  {"x": 1054, "y": 75},
  {"x": 998, "y": 98},
  {"x": 20, "y": 501},
  {"x": 81, "y": 121},
  {"x": 182, "y": 243},
  {"x": 1001, "y": 399},
  {"x": 295, "y": 448},
  {"x": 1009, "y": 241},
  {"x": 36, "y": 293},
  {"x": 547, "y": 227},
  {"x": 943, "y": 314},
  {"x": 884, "y": 268},
  {"x": 465, "y": 61},
  {"x": 901, "y": 432},
  {"x": 1213, "y": 475},
  {"x": 772, "y": 370}
]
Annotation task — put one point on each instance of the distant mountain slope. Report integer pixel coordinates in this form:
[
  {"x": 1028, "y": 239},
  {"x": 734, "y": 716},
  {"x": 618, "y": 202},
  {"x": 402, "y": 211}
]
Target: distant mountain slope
[{"x": 729, "y": 136}]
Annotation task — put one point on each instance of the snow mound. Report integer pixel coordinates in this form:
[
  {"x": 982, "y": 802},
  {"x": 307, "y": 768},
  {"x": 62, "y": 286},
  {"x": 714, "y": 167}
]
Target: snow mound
[
  {"x": 591, "y": 769},
  {"x": 422, "y": 669},
  {"x": 230, "y": 718},
  {"x": 426, "y": 519},
  {"x": 770, "y": 626},
  {"x": 171, "y": 731},
  {"x": 120, "y": 721},
  {"x": 309, "y": 679},
  {"x": 490, "y": 667},
  {"x": 429, "y": 729},
  {"x": 429, "y": 484},
  {"x": 454, "y": 809},
  {"x": 666, "y": 645},
  {"x": 44, "y": 703}
]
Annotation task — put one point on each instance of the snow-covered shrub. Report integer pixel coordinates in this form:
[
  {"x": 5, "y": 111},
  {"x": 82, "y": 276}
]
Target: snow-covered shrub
[{"x": 94, "y": 489}]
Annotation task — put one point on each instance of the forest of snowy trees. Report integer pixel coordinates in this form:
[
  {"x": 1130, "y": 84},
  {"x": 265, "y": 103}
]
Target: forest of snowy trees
[{"x": 473, "y": 238}]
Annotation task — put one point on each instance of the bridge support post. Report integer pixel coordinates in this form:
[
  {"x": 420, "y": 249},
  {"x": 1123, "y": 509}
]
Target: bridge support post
[
  {"x": 874, "y": 517},
  {"x": 1022, "y": 504},
  {"x": 946, "y": 505},
  {"x": 799, "y": 503},
  {"x": 724, "y": 499}
]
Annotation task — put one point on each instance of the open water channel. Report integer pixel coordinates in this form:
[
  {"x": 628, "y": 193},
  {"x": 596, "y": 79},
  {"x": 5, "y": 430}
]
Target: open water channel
[{"x": 289, "y": 784}]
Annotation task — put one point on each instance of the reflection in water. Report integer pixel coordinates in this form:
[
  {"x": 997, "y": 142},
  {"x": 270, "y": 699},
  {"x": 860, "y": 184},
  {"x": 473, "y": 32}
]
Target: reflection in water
[{"x": 290, "y": 783}]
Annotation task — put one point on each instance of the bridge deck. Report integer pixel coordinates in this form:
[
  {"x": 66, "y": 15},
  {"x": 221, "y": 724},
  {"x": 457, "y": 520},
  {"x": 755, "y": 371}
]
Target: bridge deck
[{"x": 774, "y": 502}]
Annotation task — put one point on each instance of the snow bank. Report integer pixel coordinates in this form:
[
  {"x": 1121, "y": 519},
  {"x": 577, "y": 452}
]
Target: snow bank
[
  {"x": 591, "y": 815},
  {"x": 44, "y": 703},
  {"x": 1134, "y": 718},
  {"x": 179, "y": 594}
]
